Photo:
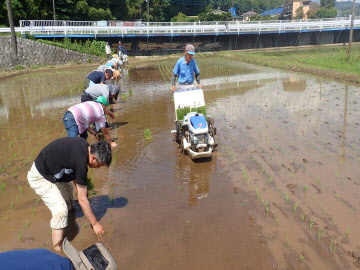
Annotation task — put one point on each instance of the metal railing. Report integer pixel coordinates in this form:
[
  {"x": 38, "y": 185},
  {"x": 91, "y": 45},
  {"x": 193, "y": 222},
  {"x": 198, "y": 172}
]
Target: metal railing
[{"x": 137, "y": 28}]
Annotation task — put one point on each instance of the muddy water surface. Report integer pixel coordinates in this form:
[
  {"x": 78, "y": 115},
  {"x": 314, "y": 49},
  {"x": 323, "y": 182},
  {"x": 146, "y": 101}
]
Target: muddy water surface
[{"x": 281, "y": 191}]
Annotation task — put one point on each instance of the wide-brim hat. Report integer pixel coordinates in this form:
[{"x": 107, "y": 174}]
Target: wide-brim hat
[{"x": 95, "y": 257}]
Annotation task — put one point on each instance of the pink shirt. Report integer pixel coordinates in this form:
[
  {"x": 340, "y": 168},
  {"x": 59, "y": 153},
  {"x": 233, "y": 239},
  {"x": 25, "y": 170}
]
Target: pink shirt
[{"x": 87, "y": 113}]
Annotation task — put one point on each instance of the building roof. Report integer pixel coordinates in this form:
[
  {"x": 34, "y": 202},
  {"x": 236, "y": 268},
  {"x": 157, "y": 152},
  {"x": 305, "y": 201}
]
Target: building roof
[
  {"x": 272, "y": 11},
  {"x": 249, "y": 13}
]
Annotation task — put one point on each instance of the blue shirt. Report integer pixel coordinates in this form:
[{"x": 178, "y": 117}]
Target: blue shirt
[
  {"x": 185, "y": 71},
  {"x": 34, "y": 259}
]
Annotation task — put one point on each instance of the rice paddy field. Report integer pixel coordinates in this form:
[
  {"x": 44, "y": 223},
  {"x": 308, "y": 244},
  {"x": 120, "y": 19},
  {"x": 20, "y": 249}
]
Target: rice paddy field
[{"x": 280, "y": 192}]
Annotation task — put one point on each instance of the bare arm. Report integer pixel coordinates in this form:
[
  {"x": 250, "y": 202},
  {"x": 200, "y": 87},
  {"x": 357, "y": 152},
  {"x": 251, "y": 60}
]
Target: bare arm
[
  {"x": 106, "y": 111},
  {"x": 85, "y": 205},
  {"x": 173, "y": 82},
  {"x": 106, "y": 134}
]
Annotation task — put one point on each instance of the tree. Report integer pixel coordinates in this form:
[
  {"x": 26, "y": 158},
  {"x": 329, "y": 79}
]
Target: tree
[
  {"x": 299, "y": 13},
  {"x": 327, "y": 3},
  {"x": 323, "y": 13},
  {"x": 210, "y": 16},
  {"x": 181, "y": 17}
]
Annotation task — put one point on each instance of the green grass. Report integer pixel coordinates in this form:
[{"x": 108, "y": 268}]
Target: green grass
[{"x": 322, "y": 58}]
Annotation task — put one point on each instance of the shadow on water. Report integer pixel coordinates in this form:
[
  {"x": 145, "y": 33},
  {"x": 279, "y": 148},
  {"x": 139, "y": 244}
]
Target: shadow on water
[
  {"x": 115, "y": 125},
  {"x": 99, "y": 205}
]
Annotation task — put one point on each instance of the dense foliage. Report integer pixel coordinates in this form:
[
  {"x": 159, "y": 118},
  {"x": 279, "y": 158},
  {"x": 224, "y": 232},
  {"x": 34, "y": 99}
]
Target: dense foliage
[
  {"x": 345, "y": 8},
  {"x": 159, "y": 10},
  {"x": 94, "y": 47}
]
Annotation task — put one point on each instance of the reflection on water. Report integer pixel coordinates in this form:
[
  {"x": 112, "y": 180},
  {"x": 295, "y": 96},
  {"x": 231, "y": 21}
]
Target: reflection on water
[{"x": 194, "y": 176}]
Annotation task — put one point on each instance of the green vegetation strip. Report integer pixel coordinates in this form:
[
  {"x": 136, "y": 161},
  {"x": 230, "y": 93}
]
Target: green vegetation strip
[
  {"x": 323, "y": 61},
  {"x": 93, "y": 47},
  {"x": 180, "y": 113}
]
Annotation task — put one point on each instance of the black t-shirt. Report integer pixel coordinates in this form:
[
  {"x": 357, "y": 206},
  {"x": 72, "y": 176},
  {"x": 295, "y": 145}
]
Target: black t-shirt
[{"x": 64, "y": 160}]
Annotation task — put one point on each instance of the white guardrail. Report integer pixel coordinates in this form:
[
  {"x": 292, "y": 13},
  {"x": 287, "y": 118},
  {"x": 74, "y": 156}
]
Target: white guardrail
[{"x": 42, "y": 27}]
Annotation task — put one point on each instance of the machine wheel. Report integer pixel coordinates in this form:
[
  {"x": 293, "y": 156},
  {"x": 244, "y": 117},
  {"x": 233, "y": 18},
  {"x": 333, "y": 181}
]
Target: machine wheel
[
  {"x": 178, "y": 132},
  {"x": 212, "y": 130},
  {"x": 183, "y": 151}
]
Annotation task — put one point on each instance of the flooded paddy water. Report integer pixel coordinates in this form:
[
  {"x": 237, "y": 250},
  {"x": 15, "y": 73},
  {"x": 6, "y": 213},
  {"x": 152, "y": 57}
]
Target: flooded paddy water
[{"x": 281, "y": 191}]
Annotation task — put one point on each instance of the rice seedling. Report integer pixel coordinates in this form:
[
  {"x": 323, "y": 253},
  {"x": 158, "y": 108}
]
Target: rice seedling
[
  {"x": 17, "y": 198},
  {"x": 245, "y": 175},
  {"x": 90, "y": 187},
  {"x": 341, "y": 162},
  {"x": 332, "y": 247},
  {"x": 314, "y": 196},
  {"x": 33, "y": 211},
  {"x": 301, "y": 257},
  {"x": 19, "y": 236},
  {"x": 84, "y": 224},
  {"x": 110, "y": 221},
  {"x": 27, "y": 223},
  {"x": 311, "y": 223},
  {"x": 287, "y": 240},
  {"x": 276, "y": 221},
  {"x": 37, "y": 201},
  {"x": 3, "y": 186},
  {"x": 147, "y": 134},
  {"x": 257, "y": 192},
  {"x": 124, "y": 96},
  {"x": 295, "y": 206},
  {"x": 317, "y": 180},
  {"x": 321, "y": 233},
  {"x": 20, "y": 189},
  {"x": 347, "y": 233},
  {"x": 286, "y": 198},
  {"x": 266, "y": 205},
  {"x": 305, "y": 188},
  {"x": 11, "y": 205},
  {"x": 302, "y": 217}
]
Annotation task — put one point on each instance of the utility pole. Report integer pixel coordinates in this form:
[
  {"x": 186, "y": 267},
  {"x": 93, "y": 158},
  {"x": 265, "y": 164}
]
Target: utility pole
[
  {"x": 11, "y": 23},
  {"x": 54, "y": 10},
  {"x": 348, "y": 52}
]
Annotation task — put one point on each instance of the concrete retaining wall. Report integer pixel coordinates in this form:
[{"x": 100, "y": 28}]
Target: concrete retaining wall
[{"x": 31, "y": 52}]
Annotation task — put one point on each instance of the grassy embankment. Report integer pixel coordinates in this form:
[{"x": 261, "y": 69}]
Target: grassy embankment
[{"x": 323, "y": 61}]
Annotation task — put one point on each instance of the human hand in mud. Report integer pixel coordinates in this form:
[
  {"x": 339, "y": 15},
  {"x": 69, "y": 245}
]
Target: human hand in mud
[
  {"x": 98, "y": 229},
  {"x": 173, "y": 88},
  {"x": 113, "y": 144}
]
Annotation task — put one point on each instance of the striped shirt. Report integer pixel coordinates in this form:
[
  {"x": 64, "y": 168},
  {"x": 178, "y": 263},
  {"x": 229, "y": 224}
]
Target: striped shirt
[{"x": 87, "y": 113}]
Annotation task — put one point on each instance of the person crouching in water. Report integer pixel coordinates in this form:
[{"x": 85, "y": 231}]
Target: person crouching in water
[{"x": 61, "y": 162}]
